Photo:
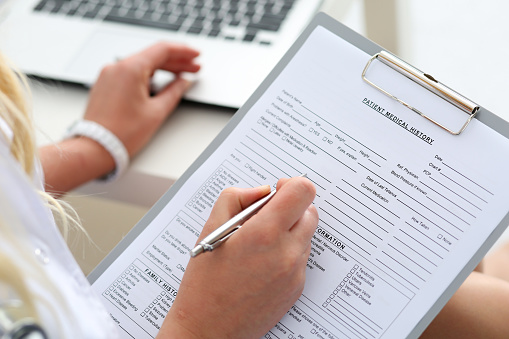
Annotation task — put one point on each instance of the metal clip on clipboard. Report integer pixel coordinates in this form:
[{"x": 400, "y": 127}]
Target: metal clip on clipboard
[{"x": 428, "y": 82}]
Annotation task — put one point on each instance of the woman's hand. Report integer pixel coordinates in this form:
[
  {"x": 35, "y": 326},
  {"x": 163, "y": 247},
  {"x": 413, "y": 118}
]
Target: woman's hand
[
  {"x": 120, "y": 101},
  {"x": 243, "y": 288}
]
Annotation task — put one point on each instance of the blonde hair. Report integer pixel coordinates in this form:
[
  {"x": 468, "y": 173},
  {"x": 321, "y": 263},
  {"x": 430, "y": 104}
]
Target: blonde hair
[{"x": 16, "y": 112}]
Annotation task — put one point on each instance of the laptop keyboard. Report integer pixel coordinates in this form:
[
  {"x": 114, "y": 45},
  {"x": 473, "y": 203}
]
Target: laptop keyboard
[{"x": 243, "y": 20}]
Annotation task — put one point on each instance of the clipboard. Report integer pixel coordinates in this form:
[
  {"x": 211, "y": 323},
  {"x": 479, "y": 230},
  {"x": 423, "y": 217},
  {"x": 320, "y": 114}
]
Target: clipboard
[{"x": 471, "y": 112}]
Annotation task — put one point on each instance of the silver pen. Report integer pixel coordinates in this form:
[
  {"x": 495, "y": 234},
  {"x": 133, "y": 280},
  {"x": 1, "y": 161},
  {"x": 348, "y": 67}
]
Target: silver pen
[{"x": 221, "y": 234}]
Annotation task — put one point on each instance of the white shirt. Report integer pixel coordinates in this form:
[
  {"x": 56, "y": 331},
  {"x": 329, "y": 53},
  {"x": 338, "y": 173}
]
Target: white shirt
[{"x": 74, "y": 312}]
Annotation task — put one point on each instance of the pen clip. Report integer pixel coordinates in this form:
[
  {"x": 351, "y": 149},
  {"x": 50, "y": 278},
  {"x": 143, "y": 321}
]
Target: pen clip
[{"x": 219, "y": 242}]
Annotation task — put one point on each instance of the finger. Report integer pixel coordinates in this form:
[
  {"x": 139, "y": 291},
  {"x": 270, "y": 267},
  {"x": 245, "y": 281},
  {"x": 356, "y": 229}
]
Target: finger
[
  {"x": 231, "y": 202},
  {"x": 179, "y": 66},
  {"x": 281, "y": 182},
  {"x": 288, "y": 205},
  {"x": 302, "y": 231},
  {"x": 162, "y": 54},
  {"x": 169, "y": 97}
]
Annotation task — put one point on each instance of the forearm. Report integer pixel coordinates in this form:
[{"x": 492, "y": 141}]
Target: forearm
[{"x": 73, "y": 162}]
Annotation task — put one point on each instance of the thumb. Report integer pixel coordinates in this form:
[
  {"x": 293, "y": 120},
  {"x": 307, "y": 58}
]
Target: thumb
[{"x": 169, "y": 97}]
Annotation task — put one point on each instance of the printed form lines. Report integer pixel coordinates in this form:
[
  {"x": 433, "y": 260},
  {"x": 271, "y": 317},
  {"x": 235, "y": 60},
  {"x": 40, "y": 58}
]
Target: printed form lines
[
  {"x": 452, "y": 202},
  {"x": 456, "y": 193},
  {"x": 359, "y": 213},
  {"x": 464, "y": 176},
  {"x": 416, "y": 252},
  {"x": 421, "y": 215},
  {"x": 351, "y": 321},
  {"x": 266, "y": 170},
  {"x": 376, "y": 202},
  {"x": 427, "y": 236},
  {"x": 324, "y": 151},
  {"x": 341, "y": 131},
  {"x": 286, "y": 153},
  {"x": 350, "y": 228},
  {"x": 355, "y": 221},
  {"x": 345, "y": 302},
  {"x": 345, "y": 237},
  {"x": 360, "y": 202},
  {"x": 402, "y": 265},
  {"x": 420, "y": 243}
]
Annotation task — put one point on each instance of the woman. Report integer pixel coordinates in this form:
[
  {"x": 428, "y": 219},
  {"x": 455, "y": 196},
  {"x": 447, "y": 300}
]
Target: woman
[{"x": 41, "y": 284}]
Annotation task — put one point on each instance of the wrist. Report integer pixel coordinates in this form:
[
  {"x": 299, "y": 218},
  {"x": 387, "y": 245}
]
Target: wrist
[
  {"x": 93, "y": 157},
  {"x": 73, "y": 162},
  {"x": 107, "y": 140}
]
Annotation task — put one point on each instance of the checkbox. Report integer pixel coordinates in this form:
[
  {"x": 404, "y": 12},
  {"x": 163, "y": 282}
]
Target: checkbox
[
  {"x": 146, "y": 310},
  {"x": 158, "y": 297},
  {"x": 356, "y": 267},
  {"x": 313, "y": 331},
  {"x": 115, "y": 284},
  {"x": 353, "y": 270},
  {"x": 346, "y": 279},
  {"x": 325, "y": 304},
  {"x": 328, "y": 300},
  {"x": 142, "y": 314},
  {"x": 324, "y": 139},
  {"x": 111, "y": 288},
  {"x": 331, "y": 296},
  {"x": 107, "y": 292},
  {"x": 340, "y": 285},
  {"x": 123, "y": 275},
  {"x": 349, "y": 275},
  {"x": 440, "y": 236},
  {"x": 336, "y": 291}
]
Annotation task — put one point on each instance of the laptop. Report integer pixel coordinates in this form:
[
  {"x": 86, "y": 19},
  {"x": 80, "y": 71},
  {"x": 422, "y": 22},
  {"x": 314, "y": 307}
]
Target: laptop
[{"x": 240, "y": 40}]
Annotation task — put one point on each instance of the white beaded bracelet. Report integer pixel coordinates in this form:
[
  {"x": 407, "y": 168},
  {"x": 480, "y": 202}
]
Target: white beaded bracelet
[{"x": 105, "y": 138}]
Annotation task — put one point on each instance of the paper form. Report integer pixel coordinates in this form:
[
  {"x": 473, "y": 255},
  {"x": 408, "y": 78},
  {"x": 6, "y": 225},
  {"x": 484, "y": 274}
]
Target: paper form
[{"x": 403, "y": 205}]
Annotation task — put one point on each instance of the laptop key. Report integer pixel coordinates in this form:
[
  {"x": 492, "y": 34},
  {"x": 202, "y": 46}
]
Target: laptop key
[{"x": 206, "y": 17}]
